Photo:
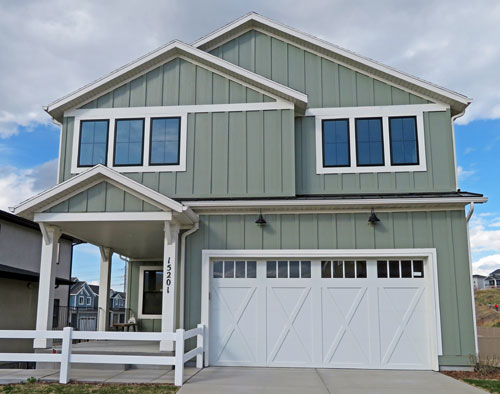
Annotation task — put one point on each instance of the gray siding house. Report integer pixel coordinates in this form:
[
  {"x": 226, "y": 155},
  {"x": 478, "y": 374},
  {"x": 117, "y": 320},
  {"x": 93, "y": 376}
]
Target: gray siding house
[
  {"x": 20, "y": 246},
  {"x": 298, "y": 199}
]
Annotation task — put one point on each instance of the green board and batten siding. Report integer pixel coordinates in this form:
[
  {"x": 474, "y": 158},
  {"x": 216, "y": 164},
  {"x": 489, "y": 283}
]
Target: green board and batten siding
[
  {"x": 443, "y": 230},
  {"x": 326, "y": 83},
  {"x": 229, "y": 154},
  {"x": 439, "y": 177},
  {"x": 178, "y": 82}
]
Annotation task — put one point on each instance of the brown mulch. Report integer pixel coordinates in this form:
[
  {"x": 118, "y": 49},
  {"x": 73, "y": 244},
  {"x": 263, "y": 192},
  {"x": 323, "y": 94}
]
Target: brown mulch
[{"x": 490, "y": 375}]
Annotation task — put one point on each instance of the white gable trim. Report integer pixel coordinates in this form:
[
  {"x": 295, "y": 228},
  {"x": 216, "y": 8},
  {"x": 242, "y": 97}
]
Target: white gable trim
[
  {"x": 204, "y": 43},
  {"x": 90, "y": 177},
  {"x": 179, "y": 48}
]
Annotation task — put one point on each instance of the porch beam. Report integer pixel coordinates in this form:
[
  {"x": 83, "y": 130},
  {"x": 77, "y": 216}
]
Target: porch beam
[
  {"x": 45, "y": 306},
  {"x": 169, "y": 296},
  {"x": 102, "y": 217},
  {"x": 104, "y": 287}
]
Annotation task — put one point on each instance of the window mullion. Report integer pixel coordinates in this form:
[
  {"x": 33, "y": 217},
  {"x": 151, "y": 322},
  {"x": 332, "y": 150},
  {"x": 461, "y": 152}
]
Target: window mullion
[
  {"x": 352, "y": 142},
  {"x": 386, "y": 141}
]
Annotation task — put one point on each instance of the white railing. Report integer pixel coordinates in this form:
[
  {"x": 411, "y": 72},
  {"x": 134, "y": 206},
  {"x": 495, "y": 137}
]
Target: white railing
[{"x": 66, "y": 357}]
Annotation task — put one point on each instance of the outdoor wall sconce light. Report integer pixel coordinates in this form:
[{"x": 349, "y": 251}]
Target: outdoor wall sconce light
[
  {"x": 260, "y": 220},
  {"x": 373, "y": 219}
]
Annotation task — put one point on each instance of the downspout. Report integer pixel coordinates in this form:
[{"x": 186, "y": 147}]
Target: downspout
[
  {"x": 467, "y": 218},
  {"x": 183, "y": 271},
  {"x": 453, "y": 118}
]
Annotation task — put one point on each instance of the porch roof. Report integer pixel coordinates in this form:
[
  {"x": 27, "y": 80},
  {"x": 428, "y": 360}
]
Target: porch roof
[{"x": 99, "y": 173}]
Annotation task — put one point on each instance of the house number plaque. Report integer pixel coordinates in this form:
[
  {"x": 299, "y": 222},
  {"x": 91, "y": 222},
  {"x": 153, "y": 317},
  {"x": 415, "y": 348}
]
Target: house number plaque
[{"x": 168, "y": 281}]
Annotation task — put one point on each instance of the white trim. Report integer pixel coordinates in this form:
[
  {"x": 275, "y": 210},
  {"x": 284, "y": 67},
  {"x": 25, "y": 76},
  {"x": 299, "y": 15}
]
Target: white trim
[
  {"x": 429, "y": 254},
  {"x": 333, "y": 202},
  {"x": 59, "y": 217},
  {"x": 179, "y": 48},
  {"x": 99, "y": 173},
  {"x": 336, "y": 50},
  {"x": 143, "y": 268},
  {"x": 81, "y": 300},
  {"x": 383, "y": 112}
]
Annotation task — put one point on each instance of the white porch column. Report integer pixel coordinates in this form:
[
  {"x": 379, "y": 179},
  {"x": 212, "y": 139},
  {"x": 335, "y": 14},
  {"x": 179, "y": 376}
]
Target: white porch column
[
  {"x": 169, "y": 296},
  {"x": 104, "y": 285},
  {"x": 45, "y": 306}
]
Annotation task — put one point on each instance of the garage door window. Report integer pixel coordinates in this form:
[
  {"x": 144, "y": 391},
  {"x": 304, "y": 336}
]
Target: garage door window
[
  {"x": 238, "y": 269},
  {"x": 285, "y": 269},
  {"x": 343, "y": 269},
  {"x": 400, "y": 269}
]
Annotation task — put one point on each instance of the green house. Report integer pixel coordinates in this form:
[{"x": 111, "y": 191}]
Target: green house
[{"x": 296, "y": 198}]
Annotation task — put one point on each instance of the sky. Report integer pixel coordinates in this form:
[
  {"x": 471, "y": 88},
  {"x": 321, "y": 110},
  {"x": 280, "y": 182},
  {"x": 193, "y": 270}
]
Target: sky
[{"x": 50, "y": 49}]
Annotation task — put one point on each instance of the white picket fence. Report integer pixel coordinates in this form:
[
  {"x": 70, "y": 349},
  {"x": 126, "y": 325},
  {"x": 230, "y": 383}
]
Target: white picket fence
[{"x": 66, "y": 357}]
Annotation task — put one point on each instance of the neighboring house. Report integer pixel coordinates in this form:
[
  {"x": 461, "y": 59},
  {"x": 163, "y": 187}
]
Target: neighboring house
[
  {"x": 493, "y": 279},
  {"x": 20, "y": 245},
  {"x": 83, "y": 311},
  {"x": 298, "y": 199},
  {"x": 479, "y": 281}
]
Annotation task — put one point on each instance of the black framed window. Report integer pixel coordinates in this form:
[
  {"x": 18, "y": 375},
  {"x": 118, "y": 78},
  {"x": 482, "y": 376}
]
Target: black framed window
[
  {"x": 404, "y": 141},
  {"x": 336, "y": 143},
  {"x": 93, "y": 144},
  {"x": 369, "y": 142},
  {"x": 165, "y": 141},
  {"x": 152, "y": 292},
  {"x": 129, "y": 142}
]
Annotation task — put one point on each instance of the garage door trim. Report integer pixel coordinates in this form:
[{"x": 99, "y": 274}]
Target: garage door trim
[{"x": 429, "y": 254}]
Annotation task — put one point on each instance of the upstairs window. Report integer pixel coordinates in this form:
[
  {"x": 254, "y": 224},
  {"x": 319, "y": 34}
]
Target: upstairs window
[
  {"x": 165, "y": 141},
  {"x": 129, "y": 142},
  {"x": 93, "y": 143},
  {"x": 336, "y": 143},
  {"x": 369, "y": 142},
  {"x": 404, "y": 147}
]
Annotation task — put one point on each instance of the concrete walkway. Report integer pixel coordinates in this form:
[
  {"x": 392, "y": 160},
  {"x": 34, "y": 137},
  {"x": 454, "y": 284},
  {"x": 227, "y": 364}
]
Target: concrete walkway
[
  {"x": 157, "y": 376},
  {"x": 232, "y": 380}
]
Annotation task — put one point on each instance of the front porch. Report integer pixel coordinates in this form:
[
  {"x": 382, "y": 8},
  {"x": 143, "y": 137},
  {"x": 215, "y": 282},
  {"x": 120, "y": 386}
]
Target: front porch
[{"x": 124, "y": 219}]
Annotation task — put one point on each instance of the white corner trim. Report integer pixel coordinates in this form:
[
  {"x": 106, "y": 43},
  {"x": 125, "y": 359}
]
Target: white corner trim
[
  {"x": 383, "y": 112},
  {"x": 140, "y": 297},
  {"x": 324, "y": 45},
  {"x": 428, "y": 254}
]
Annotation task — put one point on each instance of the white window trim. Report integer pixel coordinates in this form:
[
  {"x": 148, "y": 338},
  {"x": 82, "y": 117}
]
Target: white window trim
[
  {"x": 124, "y": 113},
  {"x": 141, "y": 315},
  {"x": 384, "y": 112},
  {"x": 81, "y": 300},
  {"x": 431, "y": 278},
  {"x": 89, "y": 301}
]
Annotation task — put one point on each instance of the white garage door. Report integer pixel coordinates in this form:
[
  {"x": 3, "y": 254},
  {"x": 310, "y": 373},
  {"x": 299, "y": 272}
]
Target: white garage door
[{"x": 335, "y": 313}]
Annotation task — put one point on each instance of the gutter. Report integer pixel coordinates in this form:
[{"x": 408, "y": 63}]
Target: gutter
[{"x": 182, "y": 275}]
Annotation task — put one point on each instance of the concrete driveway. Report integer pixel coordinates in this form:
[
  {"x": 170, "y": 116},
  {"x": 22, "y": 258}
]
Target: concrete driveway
[{"x": 234, "y": 380}]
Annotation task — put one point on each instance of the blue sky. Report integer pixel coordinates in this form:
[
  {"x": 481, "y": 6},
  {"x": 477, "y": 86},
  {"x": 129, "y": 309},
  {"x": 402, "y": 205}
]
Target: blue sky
[{"x": 49, "y": 50}]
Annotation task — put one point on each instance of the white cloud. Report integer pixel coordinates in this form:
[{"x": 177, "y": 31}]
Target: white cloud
[
  {"x": 17, "y": 185},
  {"x": 49, "y": 49},
  {"x": 464, "y": 174},
  {"x": 486, "y": 265}
]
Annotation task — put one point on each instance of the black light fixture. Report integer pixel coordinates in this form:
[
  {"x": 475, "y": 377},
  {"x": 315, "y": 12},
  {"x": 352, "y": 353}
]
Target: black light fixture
[
  {"x": 260, "y": 220},
  {"x": 373, "y": 219}
]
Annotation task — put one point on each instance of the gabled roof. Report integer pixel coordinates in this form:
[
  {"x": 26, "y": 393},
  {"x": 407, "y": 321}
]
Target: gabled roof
[
  {"x": 90, "y": 177},
  {"x": 457, "y": 102},
  {"x": 160, "y": 56}
]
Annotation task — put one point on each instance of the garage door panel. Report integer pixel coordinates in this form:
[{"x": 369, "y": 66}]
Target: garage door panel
[
  {"x": 345, "y": 326},
  {"x": 289, "y": 325},
  {"x": 234, "y": 332},
  {"x": 403, "y": 331}
]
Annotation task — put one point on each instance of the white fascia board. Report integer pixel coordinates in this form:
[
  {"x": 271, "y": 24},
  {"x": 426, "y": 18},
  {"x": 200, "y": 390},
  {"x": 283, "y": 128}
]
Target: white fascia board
[
  {"x": 333, "y": 203},
  {"x": 179, "y": 48},
  {"x": 106, "y": 174},
  {"x": 59, "y": 217},
  {"x": 253, "y": 17}
]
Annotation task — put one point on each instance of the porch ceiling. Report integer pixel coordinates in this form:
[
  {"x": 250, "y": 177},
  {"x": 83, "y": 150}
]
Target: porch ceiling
[{"x": 133, "y": 239}]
